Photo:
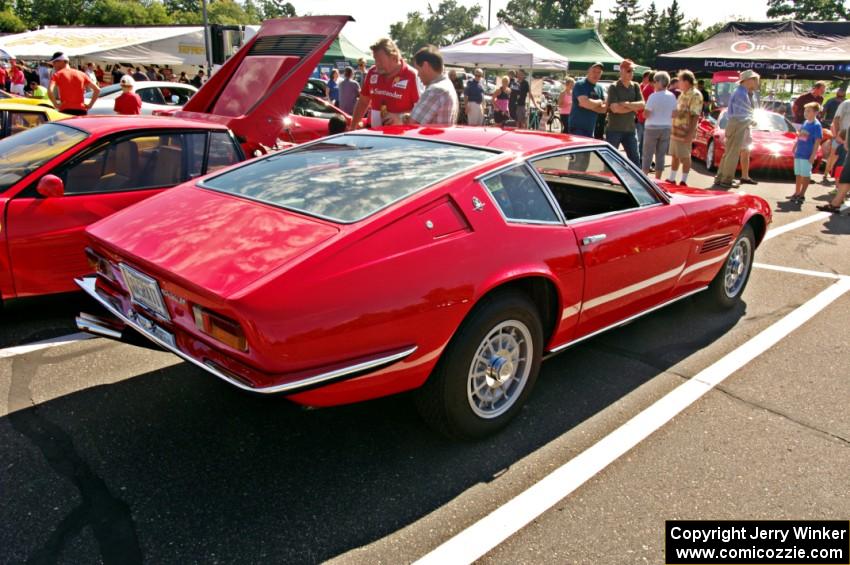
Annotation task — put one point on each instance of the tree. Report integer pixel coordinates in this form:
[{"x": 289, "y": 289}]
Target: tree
[
  {"x": 670, "y": 27},
  {"x": 826, "y": 10},
  {"x": 448, "y": 24},
  {"x": 227, "y": 12},
  {"x": 11, "y": 23},
  {"x": 623, "y": 33},
  {"x": 451, "y": 23},
  {"x": 545, "y": 13},
  {"x": 648, "y": 35},
  {"x": 277, "y": 9},
  {"x": 411, "y": 34},
  {"x": 521, "y": 13},
  {"x": 125, "y": 13}
]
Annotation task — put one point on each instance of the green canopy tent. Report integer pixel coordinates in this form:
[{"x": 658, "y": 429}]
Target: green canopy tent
[
  {"x": 582, "y": 47},
  {"x": 342, "y": 53}
]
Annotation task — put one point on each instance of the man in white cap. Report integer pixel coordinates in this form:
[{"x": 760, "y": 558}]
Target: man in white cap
[
  {"x": 129, "y": 103},
  {"x": 71, "y": 85},
  {"x": 740, "y": 113}
]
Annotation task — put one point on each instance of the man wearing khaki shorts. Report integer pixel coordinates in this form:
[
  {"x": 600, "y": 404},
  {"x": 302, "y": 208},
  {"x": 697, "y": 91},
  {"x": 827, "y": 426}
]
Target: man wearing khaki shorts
[
  {"x": 685, "y": 120},
  {"x": 740, "y": 113}
]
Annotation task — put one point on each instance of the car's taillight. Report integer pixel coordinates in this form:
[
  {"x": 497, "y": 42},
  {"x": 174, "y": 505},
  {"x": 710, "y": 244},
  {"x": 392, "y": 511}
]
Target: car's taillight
[
  {"x": 222, "y": 329},
  {"x": 99, "y": 264}
]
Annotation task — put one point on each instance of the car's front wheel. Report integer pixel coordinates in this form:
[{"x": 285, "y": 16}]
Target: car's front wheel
[
  {"x": 488, "y": 369},
  {"x": 728, "y": 285}
]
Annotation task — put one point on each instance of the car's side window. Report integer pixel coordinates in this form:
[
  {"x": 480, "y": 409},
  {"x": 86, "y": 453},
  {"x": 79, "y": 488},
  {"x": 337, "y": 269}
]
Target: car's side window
[
  {"x": 583, "y": 184},
  {"x": 196, "y": 146},
  {"x": 520, "y": 197},
  {"x": 153, "y": 160},
  {"x": 222, "y": 151},
  {"x": 20, "y": 121},
  {"x": 634, "y": 183},
  {"x": 151, "y": 95}
]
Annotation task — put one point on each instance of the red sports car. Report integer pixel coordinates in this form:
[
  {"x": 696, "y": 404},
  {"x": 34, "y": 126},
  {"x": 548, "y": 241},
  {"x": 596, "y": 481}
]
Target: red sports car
[
  {"x": 771, "y": 150},
  {"x": 449, "y": 260},
  {"x": 59, "y": 177}
]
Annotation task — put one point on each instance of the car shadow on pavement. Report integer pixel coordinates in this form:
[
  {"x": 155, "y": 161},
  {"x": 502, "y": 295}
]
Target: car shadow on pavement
[
  {"x": 175, "y": 466},
  {"x": 27, "y": 320}
]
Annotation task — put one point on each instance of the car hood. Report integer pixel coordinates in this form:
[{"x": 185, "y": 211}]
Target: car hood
[
  {"x": 773, "y": 141},
  {"x": 216, "y": 242},
  {"x": 259, "y": 85}
]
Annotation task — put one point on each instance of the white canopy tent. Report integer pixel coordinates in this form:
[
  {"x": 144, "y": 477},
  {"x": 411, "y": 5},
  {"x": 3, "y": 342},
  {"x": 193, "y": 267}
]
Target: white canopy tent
[
  {"x": 168, "y": 45},
  {"x": 502, "y": 47}
]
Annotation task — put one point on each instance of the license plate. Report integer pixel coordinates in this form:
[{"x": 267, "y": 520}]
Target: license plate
[
  {"x": 150, "y": 327},
  {"x": 144, "y": 290}
]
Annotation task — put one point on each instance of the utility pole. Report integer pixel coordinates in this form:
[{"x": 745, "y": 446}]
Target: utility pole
[
  {"x": 207, "y": 44},
  {"x": 598, "y": 19},
  {"x": 489, "y": 5}
]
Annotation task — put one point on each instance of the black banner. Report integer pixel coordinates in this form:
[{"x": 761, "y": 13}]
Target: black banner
[{"x": 693, "y": 542}]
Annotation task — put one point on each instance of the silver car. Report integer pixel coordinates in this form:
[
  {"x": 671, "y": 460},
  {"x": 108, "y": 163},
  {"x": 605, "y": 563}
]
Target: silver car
[{"x": 155, "y": 95}]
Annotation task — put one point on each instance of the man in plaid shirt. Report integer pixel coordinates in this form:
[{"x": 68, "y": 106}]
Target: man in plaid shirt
[{"x": 437, "y": 104}]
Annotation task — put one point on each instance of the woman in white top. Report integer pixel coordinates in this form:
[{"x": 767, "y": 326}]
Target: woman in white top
[{"x": 659, "y": 122}]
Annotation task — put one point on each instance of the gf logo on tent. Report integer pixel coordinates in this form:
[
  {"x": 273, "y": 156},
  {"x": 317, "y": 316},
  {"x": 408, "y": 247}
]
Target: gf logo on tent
[{"x": 485, "y": 41}]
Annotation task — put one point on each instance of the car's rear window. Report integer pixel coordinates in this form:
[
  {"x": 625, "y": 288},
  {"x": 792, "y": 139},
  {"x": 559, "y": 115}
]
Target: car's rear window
[{"x": 347, "y": 178}]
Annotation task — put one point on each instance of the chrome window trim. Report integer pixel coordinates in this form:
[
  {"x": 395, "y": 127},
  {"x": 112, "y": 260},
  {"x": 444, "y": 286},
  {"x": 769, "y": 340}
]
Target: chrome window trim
[
  {"x": 482, "y": 180},
  {"x": 89, "y": 285},
  {"x": 653, "y": 188}
]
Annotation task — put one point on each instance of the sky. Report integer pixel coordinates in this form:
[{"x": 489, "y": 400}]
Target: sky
[{"x": 373, "y": 18}]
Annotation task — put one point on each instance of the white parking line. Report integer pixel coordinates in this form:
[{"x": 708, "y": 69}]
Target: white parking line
[
  {"x": 30, "y": 347},
  {"x": 806, "y": 272},
  {"x": 798, "y": 224},
  {"x": 481, "y": 537}
]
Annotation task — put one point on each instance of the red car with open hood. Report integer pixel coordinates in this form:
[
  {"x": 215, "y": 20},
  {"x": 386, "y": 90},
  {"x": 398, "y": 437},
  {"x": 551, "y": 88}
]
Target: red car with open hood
[{"x": 449, "y": 260}]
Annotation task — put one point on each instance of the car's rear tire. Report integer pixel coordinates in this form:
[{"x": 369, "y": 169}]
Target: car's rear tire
[
  {"x": 709, "y": 156},
  {"x": 728, "y": 285},
  {"x": 488, "y": 369}
]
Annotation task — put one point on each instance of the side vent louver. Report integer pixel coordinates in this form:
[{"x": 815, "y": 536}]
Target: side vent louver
[
  {"x": 286, "y": 45},
  {"x": 716, "y": 243}
]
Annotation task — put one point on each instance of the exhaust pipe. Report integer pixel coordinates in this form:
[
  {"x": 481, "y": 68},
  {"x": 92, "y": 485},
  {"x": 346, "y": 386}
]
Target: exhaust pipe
[{"x": 98, "y": 326}]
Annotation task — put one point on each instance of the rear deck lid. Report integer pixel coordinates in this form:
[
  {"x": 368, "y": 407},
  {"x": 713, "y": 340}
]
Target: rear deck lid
[{"x": 258, "y": 86}]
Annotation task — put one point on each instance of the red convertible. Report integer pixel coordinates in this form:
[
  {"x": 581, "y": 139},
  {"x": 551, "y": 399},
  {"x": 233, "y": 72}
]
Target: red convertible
[
  {"x": 445, "y": 260},
  {"x": 771, "y": 150}
]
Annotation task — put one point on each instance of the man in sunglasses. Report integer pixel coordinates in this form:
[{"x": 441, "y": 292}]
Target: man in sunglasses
[{"x": 624, "y": 101}]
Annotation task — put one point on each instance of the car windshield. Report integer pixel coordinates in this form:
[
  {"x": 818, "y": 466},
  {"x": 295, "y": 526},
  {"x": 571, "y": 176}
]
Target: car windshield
[
  {"x": 24, "y": 152},
  {"x": 349, "y": 177},
  {"x": 765, "y": 121}
]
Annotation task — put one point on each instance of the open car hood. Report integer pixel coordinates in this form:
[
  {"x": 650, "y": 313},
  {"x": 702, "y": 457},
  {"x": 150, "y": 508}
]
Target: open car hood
[{"x": 258, "y": 85}]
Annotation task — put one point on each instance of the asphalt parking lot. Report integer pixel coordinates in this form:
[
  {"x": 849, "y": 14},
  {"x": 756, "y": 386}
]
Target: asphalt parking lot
[{"x": 117, "y": 454}]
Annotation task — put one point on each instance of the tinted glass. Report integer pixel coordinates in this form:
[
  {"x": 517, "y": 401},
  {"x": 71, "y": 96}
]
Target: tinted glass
[
  {"x": 196, "y": 145},
  {"x": 222, "y": 152},
  {"x": 314, "y": 108},
  {"x": 145, "y": 161},
  {"x": 151, "y": 95},
  {"x": 520, "y": 197},
  {"x": 23, "y": 153},
  {"x": 349, "y": 177},
  {"x": 768, "y": 121},
  {"x": 20, "y": 121}
]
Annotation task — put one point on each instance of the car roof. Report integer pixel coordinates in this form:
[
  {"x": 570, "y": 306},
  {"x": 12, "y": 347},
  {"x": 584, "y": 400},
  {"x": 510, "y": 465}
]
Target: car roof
[
  {"x": 111, "y": 124},
  {"x": 10, "y": 104},
  {"x": 521, "y": 142}
]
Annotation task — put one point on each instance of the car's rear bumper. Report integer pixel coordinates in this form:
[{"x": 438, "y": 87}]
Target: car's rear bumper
[{"x": 118, "y": 327}]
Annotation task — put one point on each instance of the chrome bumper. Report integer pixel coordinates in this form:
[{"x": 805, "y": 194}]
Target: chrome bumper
[{"x": 107, "y": 328}]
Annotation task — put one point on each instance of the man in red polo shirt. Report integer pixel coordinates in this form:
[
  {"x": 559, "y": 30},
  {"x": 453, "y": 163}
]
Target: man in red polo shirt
[
  {"x": 71, "y": 84},
  {"x": 390, "y": 88}
]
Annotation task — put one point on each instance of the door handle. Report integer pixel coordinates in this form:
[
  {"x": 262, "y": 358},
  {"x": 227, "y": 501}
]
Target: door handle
[{"x": 593, "y": 239}]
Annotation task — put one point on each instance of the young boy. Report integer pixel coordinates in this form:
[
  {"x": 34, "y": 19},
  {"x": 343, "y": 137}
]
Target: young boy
[{"x": 805, "y": 151}]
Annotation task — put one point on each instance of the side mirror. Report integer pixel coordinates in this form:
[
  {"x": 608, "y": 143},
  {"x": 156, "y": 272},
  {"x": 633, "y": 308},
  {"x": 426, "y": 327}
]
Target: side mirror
[
  {"x": 50, "y": 186},
  {"x": 175, "y": 99}
]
